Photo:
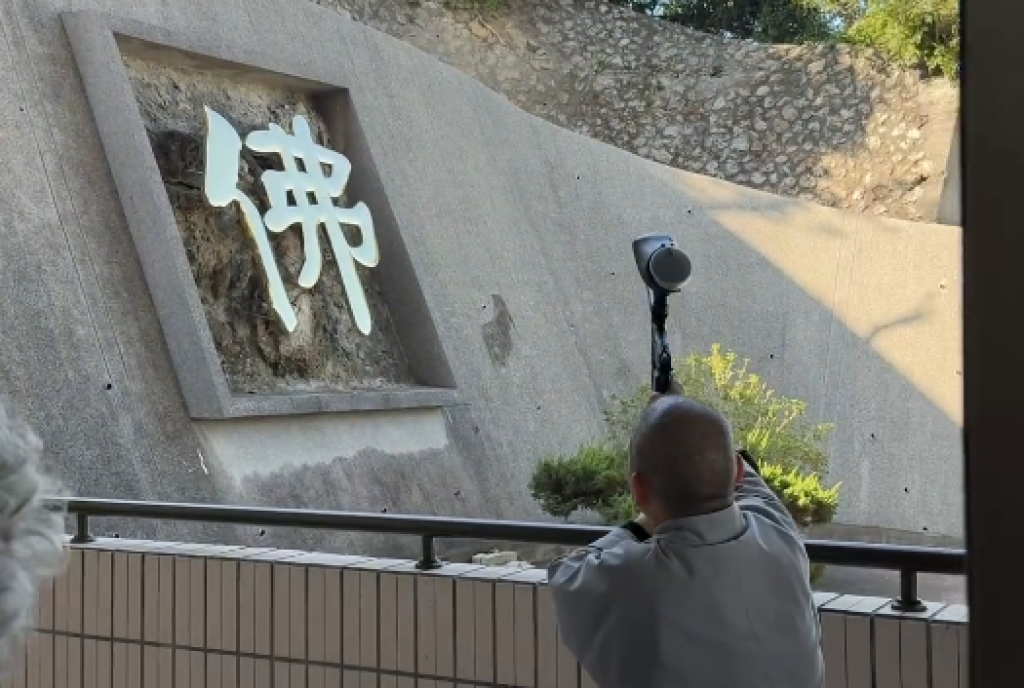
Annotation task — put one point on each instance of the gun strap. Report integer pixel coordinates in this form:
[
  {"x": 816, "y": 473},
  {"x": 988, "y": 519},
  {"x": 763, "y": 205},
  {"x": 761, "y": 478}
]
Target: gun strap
[
  {"x": 749, "y": 459},
  {"x": 637, "y": 531}
]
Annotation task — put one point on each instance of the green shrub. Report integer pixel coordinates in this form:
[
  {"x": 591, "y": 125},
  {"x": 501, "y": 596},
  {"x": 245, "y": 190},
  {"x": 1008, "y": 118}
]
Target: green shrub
[
  {"x": 913, "y": 33},
  {"x": 789, "y": 449},
  {"x": 592, "y": 478}
]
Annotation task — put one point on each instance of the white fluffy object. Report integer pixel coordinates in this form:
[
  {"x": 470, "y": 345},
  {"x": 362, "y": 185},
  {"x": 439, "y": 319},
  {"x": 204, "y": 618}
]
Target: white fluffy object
[{"x": 31, "y": 532}]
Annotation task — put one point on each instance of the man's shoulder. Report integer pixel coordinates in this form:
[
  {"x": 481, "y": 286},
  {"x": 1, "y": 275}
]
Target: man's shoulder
[
  {"x": 770, "y": 538},
  {"x": 617, "y": 551},
  {"x": 770, "y": 513}
]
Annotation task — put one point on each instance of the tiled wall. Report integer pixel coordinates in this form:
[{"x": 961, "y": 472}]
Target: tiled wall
[{"x": 164, "y": 615}]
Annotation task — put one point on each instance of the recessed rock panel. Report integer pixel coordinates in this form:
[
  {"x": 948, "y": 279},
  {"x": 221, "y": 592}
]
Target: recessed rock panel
[{"x": 258, "y": 356}]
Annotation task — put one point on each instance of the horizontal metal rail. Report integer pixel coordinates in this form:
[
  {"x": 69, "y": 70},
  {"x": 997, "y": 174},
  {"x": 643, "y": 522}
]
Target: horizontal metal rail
[{"x": 908, "y": 560}]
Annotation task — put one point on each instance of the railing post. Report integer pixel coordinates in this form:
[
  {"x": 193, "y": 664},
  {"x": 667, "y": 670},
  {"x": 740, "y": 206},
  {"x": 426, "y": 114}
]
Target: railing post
[
  {"x": 82, "y": 534},
  {"x": 908, "y": 601},
  {"x": 428, "y": 558}
]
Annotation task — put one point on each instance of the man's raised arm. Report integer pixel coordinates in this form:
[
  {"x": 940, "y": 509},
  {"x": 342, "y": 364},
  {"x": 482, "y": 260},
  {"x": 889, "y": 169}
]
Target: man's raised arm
[{"x": 754, "y": 495}]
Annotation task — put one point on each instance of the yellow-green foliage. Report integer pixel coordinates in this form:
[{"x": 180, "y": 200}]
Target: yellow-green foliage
[
  {"x": 803, "y": 494},
  {"x": 790, "y": 450},
  {"x": 772, "y": 427}
]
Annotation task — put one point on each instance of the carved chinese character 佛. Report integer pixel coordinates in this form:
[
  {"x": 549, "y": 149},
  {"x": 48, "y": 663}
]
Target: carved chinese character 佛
[{"x": 304, "y": 194}]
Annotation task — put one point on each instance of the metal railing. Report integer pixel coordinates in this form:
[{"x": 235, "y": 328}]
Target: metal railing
[{"x": 908, "y": 560}]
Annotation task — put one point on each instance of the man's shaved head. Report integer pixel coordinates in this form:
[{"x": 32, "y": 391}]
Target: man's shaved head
[{"x": 683, "y": 452}]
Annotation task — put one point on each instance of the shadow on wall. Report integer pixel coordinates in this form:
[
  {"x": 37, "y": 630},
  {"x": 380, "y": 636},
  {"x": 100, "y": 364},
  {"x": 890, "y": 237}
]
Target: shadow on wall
[
  {"x": 370, "y": 481},
  {"x": 862, "y": 321},
  {"x": 858, "y": 317}
]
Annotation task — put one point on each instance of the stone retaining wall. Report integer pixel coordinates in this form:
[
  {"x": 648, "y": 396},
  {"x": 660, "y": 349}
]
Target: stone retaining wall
[{"x": 835, "y": 125}]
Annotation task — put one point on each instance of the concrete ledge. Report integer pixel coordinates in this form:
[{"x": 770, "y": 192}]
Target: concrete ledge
[
  {"x": 889, "y": 536},
  {"x": 335, "y": 402}
]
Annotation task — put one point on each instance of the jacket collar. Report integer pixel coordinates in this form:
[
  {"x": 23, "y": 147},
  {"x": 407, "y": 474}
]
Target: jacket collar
[{"x": 706, "y": 529}]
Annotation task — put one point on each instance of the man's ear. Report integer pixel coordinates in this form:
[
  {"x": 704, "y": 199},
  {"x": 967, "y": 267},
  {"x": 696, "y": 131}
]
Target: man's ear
[
  {"x": 638, "y": 488},
  {"x": 741, "y": 468}
]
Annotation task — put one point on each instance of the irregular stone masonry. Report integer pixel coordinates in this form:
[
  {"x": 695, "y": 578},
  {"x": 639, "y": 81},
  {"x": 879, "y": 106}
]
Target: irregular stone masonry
[{"x": 832, "y": 124}]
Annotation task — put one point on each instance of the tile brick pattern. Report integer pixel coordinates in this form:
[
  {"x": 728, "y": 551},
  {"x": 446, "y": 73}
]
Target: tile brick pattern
[{"x": 133, "y": 614}]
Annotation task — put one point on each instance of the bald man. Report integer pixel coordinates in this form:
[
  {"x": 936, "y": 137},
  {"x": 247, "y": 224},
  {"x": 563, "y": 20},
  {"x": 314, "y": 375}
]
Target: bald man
[{"x": 709, "y": 587}]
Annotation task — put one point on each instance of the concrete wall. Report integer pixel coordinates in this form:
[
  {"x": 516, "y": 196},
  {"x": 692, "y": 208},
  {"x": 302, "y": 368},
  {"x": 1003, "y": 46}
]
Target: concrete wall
[
  {"x": 951, "y": 200},
  {"x": 860, "y": 316}
]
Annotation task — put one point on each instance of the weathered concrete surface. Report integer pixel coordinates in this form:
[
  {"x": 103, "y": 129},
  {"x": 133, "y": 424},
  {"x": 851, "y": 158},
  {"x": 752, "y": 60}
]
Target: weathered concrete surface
[
  {"x": 951, "y": 201},
  {"x": 382, "y": 462},
  {"x": 860, "y": 316}
]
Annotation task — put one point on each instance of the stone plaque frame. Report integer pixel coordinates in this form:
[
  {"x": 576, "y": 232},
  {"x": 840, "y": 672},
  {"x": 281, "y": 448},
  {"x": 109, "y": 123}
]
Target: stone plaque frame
[{"x": 98, "y": 42}]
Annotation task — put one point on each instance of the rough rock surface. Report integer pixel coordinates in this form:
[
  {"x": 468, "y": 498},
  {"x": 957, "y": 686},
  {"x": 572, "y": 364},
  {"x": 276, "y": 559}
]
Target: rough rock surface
[
  {"x": 835, "y": 125},
  {"x": 258, "y": 355}
]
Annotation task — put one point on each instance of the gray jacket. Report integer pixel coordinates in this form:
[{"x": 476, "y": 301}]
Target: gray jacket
[{"x": 715, "y": 601}]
